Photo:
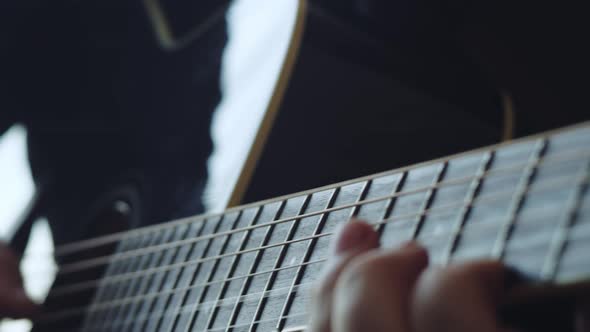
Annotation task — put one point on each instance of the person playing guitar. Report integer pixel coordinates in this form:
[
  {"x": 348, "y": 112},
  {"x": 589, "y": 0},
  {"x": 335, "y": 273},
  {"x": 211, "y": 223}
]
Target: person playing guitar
[{"x": 349, "y": 297}]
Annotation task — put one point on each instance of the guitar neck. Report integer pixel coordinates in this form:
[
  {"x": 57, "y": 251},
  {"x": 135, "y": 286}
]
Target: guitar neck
[{"x": 525, "y": 203}]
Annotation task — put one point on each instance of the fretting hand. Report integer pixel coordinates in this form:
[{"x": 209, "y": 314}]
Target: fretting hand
[
  {"x": 366, "y": 289},
  {"x": 14, "y": 302}
]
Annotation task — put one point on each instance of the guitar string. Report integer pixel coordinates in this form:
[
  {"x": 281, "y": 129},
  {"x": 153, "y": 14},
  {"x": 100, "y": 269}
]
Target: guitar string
[
  {"x": 69, "y": 312},
  {"x": 107, "y": 259},
  {"x": 255, "y": 322},
  {"x": 82, "y": 245},
  {"x": 546, "y": 187},
  {"x": 119, "y": 302},
  {"x": 235, "y": 325},
  {"x": 205, "y": 307},
  {"x": 213, "y": 304}
]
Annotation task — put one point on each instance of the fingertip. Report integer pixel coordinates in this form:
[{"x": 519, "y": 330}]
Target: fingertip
[
  {"x": 417, "y": 251},
  {"x": 355, "y": 235}
]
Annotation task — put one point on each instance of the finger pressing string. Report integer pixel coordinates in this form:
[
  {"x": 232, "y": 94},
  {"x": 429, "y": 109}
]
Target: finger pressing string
[{"x": 353, "y": 239}]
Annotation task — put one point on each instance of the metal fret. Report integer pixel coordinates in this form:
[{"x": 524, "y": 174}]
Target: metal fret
[
  {"x": 246, "y": 284},
  {"x": 98, "y": 317},
  {"x": 126, "y": 286},
  {"x": 195, "y": 314},
  {"x": 299, "y": 273},
  {"x": 229, "y": 273},
  {"x": 428, "y": 200},
  {"x": 171, "y": 278},
  {"x": 187, "y": 276},
  {"x": 148, "y": 261},
  {"x": 156, "y": 281},
  {"x": 279, "y": 259},
  {"x": 362, "y": 196},
  {"x": 391, "y": 202},
  {"x": 559, "y": 240},
  {"x": 141, "y": 283},
  {"x": 175, "y": 298},
  {"x": 525, "y": 180},
  {"x": 102, "y": 289},
  {"x": 197, "y": 272},
  {"x": 471, "y": 194},
  {"x": 321, "y": 224}
]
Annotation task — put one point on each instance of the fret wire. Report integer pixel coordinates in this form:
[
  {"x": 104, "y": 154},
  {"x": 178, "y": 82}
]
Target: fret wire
[
  {"x": 278, "y": 262},
  {"x": 428, "y": 200},
  {"x": 106, "y": 317},
  {"x": 280, "y": 291},
  {"x": 298, "y": 288},
  {"x": 180, "y": 274},
  {"x": 204, "y": 306},
  {"x": 362, "y": 196},
  {"x": 152, "y": 278},
  {"x": 192, "y": 249},
  {"x": 203, "y": 255},
  {"x": 228, "y": 275},
  {"x": 48, "y": 317},
  {"x": 276, "y": 292},
  {"x": 305, "y": 259},
  {"x": 257, "y": 256},
  {"x": 210, "y": 275},
  {"x": 64, "y": 313},
  {"x": 520, "y": 192},
  {"x": 197, "y": 269},
  {"x": 101, "y": 289},
  {"x": 550, "y": 185},
  {"x": 474, "y": 189},
  {"x": 560, "y": 237},
  {"x": 173, "y": 258},
  {"x": 81, "y": 245},
  {"x": 260, "y": 321},
  {"x": 140, "y": 263},
  {"x": 85, "y": 264},
  {"x": 391, "y": 202},
  {"x": 156, "y": 238},
  {"x": 144, "y": 282},
  {"x": 247, "y": 237}
]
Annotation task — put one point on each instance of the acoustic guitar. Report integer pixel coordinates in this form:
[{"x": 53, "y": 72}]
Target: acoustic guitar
[{"x": 250, "y": 268}]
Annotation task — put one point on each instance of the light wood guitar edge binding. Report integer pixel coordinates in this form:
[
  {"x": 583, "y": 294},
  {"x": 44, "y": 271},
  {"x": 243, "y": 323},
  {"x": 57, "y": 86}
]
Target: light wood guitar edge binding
[
  {"x": 272, "y": 109},
  {"x": 166, "y": 37}
]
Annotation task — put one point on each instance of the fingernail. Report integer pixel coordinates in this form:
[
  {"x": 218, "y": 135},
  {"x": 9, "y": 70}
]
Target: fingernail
[{"x": 353, "y": 235}]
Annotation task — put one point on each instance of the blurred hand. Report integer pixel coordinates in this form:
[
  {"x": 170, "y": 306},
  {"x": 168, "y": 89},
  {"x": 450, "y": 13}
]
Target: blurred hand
[
  {"x": 14, "y": 302},
  {"x": 366, "y": 289}
]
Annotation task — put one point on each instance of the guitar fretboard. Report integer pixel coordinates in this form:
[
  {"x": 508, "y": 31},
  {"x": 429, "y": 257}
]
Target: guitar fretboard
[{"x": 250, "y": 269}]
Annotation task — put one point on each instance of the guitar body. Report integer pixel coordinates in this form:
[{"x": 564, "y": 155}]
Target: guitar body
[{"x": 343, "y": 116}]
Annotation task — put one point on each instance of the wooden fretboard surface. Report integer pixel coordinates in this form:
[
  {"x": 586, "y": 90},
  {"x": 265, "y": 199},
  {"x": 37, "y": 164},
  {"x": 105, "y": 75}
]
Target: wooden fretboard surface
[{"x": 250, "y": 268}]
